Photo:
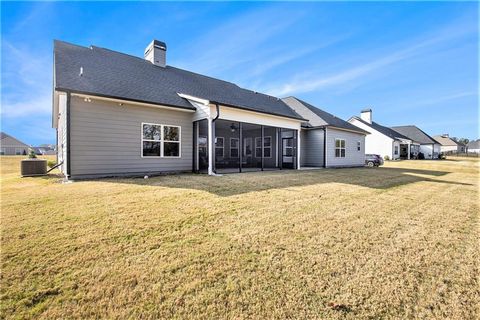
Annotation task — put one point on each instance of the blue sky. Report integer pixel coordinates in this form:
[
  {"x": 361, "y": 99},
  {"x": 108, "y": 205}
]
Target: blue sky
[{"x": 412, "y": 63}]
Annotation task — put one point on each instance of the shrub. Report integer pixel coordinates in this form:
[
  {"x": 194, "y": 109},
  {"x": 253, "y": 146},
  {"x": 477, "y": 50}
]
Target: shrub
[
  {"x": 386, "y": 158},
  {"x": 51, "y": 163},
  {"x": 32, "y": 155},
  {"x": 421, "y": 156}
]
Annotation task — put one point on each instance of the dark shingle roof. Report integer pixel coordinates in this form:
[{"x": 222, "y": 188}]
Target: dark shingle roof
[
  {"x": 114, "y": 74},
  {"x": 415, "y": 133},
  {"x": 327, "y": 118},
  {"x": 384, "y": 130}
]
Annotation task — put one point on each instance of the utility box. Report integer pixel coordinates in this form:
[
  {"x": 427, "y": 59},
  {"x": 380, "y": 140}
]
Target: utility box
[{"x": 33, "y": 167}]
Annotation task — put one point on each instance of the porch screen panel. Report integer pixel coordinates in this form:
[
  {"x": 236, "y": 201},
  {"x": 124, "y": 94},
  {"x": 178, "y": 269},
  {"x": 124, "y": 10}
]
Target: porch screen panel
[
  {"x": 270, "y": 148},
  {"x": 227, "y": 146},
  {"x": 202, "y": 145},
  {"x": 252, "y": 147}
]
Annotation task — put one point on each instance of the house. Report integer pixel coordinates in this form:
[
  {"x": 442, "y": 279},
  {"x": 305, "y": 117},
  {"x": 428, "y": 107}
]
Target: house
[
  {"x": 117, "y": 114},
  {"x": 473, "y": 146},
  {"x": 327, "y": 141},
  {"x": 384, "y": 141},
  {"x": 12, "y": 146},
  {"x": 45, "y": 150},
  {"x": 428, "y": 146},
  {"x": 448, "y": 145}
]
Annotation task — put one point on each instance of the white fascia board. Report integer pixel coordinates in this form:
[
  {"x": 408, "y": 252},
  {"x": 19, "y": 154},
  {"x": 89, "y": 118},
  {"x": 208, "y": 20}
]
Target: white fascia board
[
  {"x": 56, "y": 107},
  {"x": 349, "y": 130},
  {"x": 193, "y": 98},
  {"x": 129, "y": 102}
]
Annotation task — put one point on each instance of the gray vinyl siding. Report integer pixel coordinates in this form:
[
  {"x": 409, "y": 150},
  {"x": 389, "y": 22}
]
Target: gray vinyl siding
[
  {"x": 106, "y": 139},
  {"x": 353, "y": 157},
  {"x": 11, "y": 146},
  {"x": 312, "y": 148}
]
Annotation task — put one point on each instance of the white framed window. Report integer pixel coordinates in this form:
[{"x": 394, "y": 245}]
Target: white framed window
[
  {"x": 160, "y": 140},
  {"x": 258, "y": 147},
  {"x": 219, "y": 146},
  {"x": 396, "y": 150},
  {"x": 339, "y": 148},
  {"x": 359, "y": 146},
  {"x": 234, "y": 146},
  {"x": 267, "y": 147}
]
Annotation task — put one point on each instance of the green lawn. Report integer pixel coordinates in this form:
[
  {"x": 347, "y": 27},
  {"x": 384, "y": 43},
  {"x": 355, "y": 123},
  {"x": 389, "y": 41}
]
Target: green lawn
[{"x": 401, "y": 241}]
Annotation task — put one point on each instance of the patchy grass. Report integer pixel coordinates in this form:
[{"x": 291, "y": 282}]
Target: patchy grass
[{"x": 400, "y": 241}]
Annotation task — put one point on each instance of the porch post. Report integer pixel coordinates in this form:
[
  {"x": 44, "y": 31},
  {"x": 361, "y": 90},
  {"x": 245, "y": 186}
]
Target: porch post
[
  {"x": 298, "y": 149},
  {"x": 409, "y": 151},
  {"x": 263, "y": 134},
  {"x": 210, "y": 146}
]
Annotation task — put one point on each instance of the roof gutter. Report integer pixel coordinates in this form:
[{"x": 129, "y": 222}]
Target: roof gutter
[
  {"x": 258, "y": 111},
  {"x": 105, "y": 96}
]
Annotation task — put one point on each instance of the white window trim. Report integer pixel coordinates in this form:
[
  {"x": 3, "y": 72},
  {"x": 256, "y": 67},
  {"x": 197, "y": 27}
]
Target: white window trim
[
  {"x": 222, "y": 147},
  {"x": 340, "y": 148},
  {"x": 256, "y": 139},
  {"x": 161, "y": 140},
  {"x": 237, "y": 148},
  {"x": 269, "y": 147}
]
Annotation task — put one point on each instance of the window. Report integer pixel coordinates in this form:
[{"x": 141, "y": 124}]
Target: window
[
  {"x": 258, "y": 147},
  {"x": 396, "y": 150},
  {"x": 219, "y": 145},
  {"x": 267, "y": 147},
  {"x": 359, "y": 145},
  {"x": 339, "y": 148},
  {"x": 160, "y": 140},
  {"x": 288, "y": 147},
  {"x": 234, "y": 147}
]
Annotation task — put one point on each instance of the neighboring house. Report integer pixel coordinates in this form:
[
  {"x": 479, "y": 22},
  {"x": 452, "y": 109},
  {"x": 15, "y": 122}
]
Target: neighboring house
[
  {"x": 428, "y": 146},
  {"x": 118, "y": 114},
  {"x": 474, "y": 146},
  {"x": 47, "y": 150},
  {"x": 383, "y": 140},
  {"x": 448, "y": 145},
  {"x": 328, "y": 141},
  {"x": 12, "y": 146}
]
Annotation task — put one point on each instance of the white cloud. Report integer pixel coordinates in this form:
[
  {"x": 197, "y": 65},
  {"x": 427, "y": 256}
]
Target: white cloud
[
  {"x": 237, "y": 41},
  {"x": 26, "y": 81},
  {"x": 311, "y": 81},
  {"x": 31, "y": 106}
]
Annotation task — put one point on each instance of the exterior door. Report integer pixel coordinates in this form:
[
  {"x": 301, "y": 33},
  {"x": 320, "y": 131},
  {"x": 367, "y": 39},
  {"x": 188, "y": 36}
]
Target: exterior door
[
  {"x": 287, "y": 153},
  {"x": 247, "y": 151}
]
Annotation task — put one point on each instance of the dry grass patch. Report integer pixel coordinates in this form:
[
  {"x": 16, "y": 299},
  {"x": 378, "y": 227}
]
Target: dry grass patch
[{"x": 400, "y": 241}]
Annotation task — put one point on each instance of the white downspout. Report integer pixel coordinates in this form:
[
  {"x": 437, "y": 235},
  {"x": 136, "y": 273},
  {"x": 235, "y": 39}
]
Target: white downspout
[
  {"x": 298, "y": 149},
  {"x": 325, "y": 147},
  {"x": 210, "y": 146}
]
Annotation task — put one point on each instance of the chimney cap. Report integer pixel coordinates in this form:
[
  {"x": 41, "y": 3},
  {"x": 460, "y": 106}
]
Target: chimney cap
[
  {"x": 159, "y": 44},
  {"x": 156, "y": 44},
  {"x": 366, "y": 110}
]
